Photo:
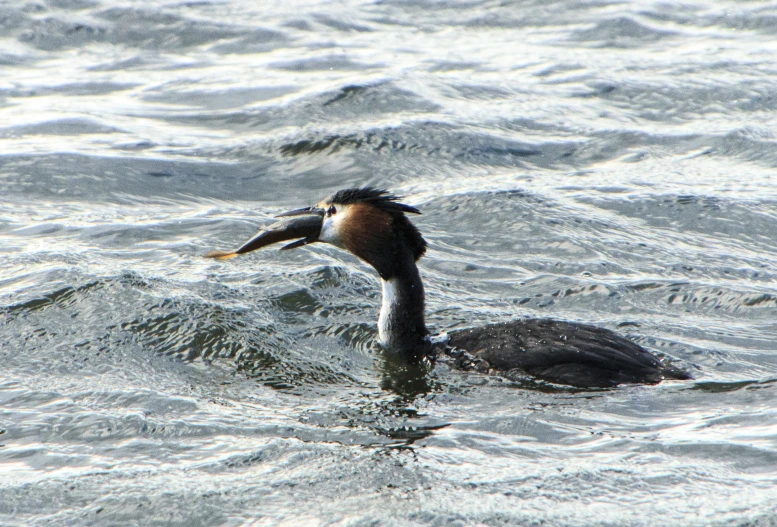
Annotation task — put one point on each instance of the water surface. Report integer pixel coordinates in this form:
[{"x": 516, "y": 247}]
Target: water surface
[{"x": 604, "y": 162}]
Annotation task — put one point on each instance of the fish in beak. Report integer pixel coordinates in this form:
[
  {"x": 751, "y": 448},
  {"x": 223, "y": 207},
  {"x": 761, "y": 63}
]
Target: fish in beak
[{"x": 304, "y": 224}]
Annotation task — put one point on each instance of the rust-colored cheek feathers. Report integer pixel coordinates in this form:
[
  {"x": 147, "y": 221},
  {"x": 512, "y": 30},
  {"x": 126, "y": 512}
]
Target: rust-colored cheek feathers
[
  {"x": 367, "y": 232},
  {"x": 386, "y": 240}
]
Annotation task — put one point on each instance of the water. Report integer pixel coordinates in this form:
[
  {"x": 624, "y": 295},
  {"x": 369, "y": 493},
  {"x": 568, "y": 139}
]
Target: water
[{"x": 605, "y": 162}]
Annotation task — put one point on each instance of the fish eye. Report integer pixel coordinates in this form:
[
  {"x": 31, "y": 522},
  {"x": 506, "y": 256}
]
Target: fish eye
[{"x": 331, "y": 211}]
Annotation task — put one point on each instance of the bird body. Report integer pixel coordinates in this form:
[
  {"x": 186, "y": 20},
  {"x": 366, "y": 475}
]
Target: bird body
[
  {"x": 374, "y": 226},
  {"x": 562, "y": 352}
]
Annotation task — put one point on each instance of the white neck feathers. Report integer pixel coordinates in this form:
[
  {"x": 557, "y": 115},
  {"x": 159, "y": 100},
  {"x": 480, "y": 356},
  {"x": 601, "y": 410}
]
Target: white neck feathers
[{"x": 388, "y": 310}]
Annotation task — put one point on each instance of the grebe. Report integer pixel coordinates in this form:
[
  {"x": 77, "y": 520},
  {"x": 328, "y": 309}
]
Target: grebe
[{"x": 372, "y": 224}]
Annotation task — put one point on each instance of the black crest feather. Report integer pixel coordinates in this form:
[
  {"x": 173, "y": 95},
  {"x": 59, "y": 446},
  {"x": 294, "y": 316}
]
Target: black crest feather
[{"x": 381, "y": 198}]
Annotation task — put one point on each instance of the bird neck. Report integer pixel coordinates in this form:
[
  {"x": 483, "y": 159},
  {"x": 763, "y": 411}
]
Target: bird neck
[{"x": 401, "y": 322}]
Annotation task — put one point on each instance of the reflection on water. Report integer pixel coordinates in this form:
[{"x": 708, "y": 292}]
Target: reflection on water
[
  {"x": 408, "y": 380},
  {"x": 607, "y": 163}
]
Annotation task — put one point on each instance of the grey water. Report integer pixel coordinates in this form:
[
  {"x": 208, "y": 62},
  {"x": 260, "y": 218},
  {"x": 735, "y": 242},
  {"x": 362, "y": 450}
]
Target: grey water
[{"x": 599, "y": 161}]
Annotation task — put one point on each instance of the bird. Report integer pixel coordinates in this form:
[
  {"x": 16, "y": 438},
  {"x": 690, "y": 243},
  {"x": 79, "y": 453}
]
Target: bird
[{"x": 373, "y": 224}]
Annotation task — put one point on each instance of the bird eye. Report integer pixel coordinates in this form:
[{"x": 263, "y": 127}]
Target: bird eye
[{"x": 331, "y": 211}]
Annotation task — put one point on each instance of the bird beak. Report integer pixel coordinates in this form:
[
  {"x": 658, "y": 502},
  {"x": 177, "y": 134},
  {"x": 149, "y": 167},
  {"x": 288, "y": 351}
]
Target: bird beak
[
  {"x": 302, "y": 223},
  {"x": 300, "y": 212}
]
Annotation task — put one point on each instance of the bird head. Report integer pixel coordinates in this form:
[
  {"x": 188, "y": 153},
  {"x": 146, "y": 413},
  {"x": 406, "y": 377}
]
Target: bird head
[{"x": 367, "y": 222}]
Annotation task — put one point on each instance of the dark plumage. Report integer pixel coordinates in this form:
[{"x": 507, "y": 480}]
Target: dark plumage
[{"x": 562, "y": 352}]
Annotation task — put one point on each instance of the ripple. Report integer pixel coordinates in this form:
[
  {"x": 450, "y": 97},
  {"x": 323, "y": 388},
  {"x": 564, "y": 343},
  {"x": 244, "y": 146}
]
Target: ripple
[
  {"x": 622, "y": 32},
  {"x": 60, "y": 127},
  {"x": 72, "y": 89},
  {"x": 606, "y": 164},
  {"x": 218, "y": 99},
  {"x": 687, "y": 101},
  {"x": 436, "y": 140},
  {"x": 341, "y": 105},
  {"x": 325, "y": 63}
]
